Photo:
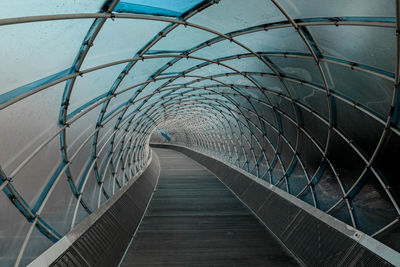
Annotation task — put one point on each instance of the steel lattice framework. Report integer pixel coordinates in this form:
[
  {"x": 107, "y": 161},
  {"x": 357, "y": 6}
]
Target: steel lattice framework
[{"x": 290, "y": 100}]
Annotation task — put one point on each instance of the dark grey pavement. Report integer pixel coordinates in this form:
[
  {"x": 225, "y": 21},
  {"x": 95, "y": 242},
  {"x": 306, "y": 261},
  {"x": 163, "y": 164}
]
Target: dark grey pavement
[{"x": 194, "y": 220}]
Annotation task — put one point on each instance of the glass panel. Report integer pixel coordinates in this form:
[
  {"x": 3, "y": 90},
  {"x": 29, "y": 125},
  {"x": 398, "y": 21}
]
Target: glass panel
[
  {"x": 105, "y": 134},
  {"x": 297, "y": 180},
  {"x": 373, "y": 46},
  {"x": 27, "y": 124},
  {"x": 131, "y": 110},
  {"x": 248, "y": 64},
  {"x": 37, "y": 244},
  {"x": 307, "y": 196},
  {"x": 59, "y": 209},
  {"x": 286, "y": 155},
  {"x": 142, "y": 71},
  {"x": 341, "y": 212},
  {"x": 221, "y": 49},
  {"x": 266, "y": 112},
  {"x": 338, "y": 8},
  {"x": 81, "y": 215},
  {"x": 157, "y": 7},
  {"x": 81, "y": 129},
  {"x": 212, "y": 84},
  {"x": 76, "y": 137},
  {"x": 14, "y": 228},
  {"x": 348, "y": 164},
  {"x": 91, "y": 192},
  {"x": 181, "y": 39},
  {"x": 34, "y": 177},
  {"x": 274, "y": 40},
  {"x": 21, "y": 8},
  {"x": 310, "y": 155},
  {"x": 284, "y": 106},
  {"x": 298, "y": 68},
  {"x": 364, "y": 130},
  {"x": 226, "y": 16},
  {"x": 235, "y": 79},
  {"x": 310, "y": 97},
  {"x": 117, "y": 104},
  {"x": 149, "y": 89},
  {"x": 326, "y": 187},
  {"x": 315, "y": 127},
  {"x": 369, "y": 90},
  {"x": 372, "y": 208},
  {"x": 111, "y": 42},
  {"x": 108, "y": 182},
  {"x": 270, "y": 83},
  {"x": 23, "y": 62},
  {"x": 277, "y": 173},
  {"x": 388, "y": 160},
  {"x": 184, "y": 64},
  {"x": 93, "y": 85},
  {"x": 212, "y": 69},
  {"x": 184, "y": 80},
  {"x": 289, "y": 130}
]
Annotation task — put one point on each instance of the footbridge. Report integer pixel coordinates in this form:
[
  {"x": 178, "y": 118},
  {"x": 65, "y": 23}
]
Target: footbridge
[{"x": 199, "y": 133}]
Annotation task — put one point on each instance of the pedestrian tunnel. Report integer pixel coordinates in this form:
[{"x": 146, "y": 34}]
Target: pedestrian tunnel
[{"x": 288, "y": 109}]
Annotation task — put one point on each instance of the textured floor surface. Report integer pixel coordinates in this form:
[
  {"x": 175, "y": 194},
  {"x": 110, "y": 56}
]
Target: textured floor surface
[{"x": 194, "y": 220}]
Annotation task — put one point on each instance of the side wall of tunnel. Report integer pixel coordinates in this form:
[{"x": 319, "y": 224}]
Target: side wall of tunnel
[{"x": 333, "y": 243}]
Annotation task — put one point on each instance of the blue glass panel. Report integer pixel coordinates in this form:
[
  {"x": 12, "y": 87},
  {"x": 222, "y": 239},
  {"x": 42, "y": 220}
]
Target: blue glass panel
[{"x": 171, "y": 8}]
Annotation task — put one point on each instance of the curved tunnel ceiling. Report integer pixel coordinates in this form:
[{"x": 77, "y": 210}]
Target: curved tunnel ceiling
[{"x": 302, "y": 94}]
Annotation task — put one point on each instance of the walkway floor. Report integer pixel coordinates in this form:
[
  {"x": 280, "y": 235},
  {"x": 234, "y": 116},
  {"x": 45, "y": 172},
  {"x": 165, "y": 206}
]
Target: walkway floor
[{"x": 194, "y": 220}]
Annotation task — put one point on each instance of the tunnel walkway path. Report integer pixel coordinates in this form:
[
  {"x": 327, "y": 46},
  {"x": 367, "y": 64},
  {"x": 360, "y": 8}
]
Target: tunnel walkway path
[{"x": 193, "y": 219}]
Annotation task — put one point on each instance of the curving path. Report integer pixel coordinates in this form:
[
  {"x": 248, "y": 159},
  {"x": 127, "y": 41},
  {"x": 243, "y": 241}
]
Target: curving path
[{"x": 193, "y": 219}]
